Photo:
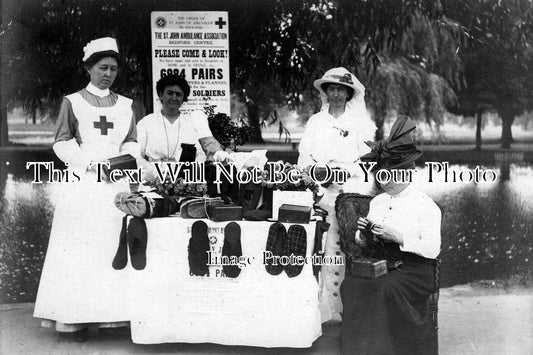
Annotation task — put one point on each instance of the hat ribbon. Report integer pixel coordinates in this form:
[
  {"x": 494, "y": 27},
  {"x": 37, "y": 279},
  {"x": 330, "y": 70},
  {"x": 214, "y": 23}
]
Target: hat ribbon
[{"x": 346, "y": 78}]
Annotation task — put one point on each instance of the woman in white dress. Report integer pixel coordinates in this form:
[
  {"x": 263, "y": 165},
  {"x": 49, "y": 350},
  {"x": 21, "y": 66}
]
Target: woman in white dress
[
  {"x": 335, "y": 136},
  {"x": 78, "y": 285},
  {"x": 174, "y": 134}
]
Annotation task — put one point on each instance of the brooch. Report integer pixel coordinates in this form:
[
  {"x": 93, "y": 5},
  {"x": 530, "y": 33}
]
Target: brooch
[{"x": 342, "y": 132}]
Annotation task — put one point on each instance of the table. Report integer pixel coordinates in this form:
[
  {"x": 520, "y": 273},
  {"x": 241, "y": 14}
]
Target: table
[{"x": 254, "y": 309}]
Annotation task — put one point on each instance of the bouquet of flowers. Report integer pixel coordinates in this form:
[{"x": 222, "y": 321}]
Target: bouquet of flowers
[
  {"x": 302, "y": 177},
  {"x": 177, "y": 188}
]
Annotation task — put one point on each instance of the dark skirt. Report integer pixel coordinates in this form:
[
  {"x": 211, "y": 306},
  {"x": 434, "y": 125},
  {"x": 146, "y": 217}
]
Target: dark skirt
[{"x": 390, "y": 314}]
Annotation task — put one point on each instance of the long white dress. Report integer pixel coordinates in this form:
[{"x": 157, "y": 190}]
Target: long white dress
[
  {"x": 78, "y": 284},
  {"x": 336, "y": 142}
]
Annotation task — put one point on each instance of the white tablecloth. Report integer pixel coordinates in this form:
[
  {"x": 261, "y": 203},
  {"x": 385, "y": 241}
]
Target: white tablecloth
[{"x": 254, "y": 309}]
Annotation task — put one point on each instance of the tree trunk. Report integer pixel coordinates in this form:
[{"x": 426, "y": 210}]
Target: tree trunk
[
  {"x": 507, "y": 123},
  {"x": 4, "y": 138},
  {"x": 479, "y": 121}
]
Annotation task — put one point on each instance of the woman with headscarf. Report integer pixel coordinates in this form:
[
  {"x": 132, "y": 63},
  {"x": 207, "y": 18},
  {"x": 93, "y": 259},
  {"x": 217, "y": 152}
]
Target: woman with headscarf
[
  {"x": 335, "y": 136},
  {"x": 78, "y": 286},
  {"x": 390, "y": 314}
]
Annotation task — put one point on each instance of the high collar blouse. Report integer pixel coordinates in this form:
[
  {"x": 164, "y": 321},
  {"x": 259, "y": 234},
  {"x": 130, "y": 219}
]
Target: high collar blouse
[{"x": 414, "y": 215}]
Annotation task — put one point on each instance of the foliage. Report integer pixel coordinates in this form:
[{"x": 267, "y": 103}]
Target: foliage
[
  {"x": 45, "y": 42},
  {"x": 298, "y": 41},
  {"x": 226, "y": 131},
  {"x": 283, "y": 44},
  {"x": 498, "y": 59},
  {"x": 486, "y": 233},
  {"x": 411, "y": 53},
  {"x": 417, "y": 79},
  {"x": 25, "y": 224},
  {"x": 402, "y": 88}
]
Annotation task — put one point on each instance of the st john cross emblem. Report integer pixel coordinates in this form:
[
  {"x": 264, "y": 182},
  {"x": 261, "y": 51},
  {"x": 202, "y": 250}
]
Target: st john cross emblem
[{"x": 103, "y": 125}]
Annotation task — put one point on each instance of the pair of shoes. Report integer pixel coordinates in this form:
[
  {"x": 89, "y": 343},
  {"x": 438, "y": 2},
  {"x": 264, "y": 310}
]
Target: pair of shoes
[
  {"x": 199, "y": 246},
  {"x": 133, "y": 237},
  {"x": 283, "y": 244}
]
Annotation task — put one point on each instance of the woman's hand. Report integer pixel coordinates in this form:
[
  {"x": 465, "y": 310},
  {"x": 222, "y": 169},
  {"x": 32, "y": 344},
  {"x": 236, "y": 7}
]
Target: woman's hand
[
  {"x": 365, "y": 224},
  {"x": 221, "y": 156},
  {"x": 379, "y": 230}
]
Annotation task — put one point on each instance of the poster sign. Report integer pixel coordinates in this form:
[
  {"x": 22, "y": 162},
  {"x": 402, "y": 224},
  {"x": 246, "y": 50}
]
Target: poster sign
[{"x": 194, "y": 45}]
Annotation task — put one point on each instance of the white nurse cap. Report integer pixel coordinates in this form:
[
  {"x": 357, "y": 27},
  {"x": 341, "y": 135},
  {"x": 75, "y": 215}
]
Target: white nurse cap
[{"x": 99, "y": 45}]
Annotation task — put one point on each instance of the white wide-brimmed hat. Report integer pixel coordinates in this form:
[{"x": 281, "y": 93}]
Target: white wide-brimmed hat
[
  {"x": 340, "y": 76},
  {"x": 99, "y": 45}
]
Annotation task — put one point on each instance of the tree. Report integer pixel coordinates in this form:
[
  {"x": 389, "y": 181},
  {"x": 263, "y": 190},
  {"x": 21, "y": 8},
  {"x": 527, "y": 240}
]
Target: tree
[
  {"x": 46, "y": 54},
  {"x": 299, "y": 41},
  {"x": 416, "y": 80},
  {"x": 496, "y": 59}
]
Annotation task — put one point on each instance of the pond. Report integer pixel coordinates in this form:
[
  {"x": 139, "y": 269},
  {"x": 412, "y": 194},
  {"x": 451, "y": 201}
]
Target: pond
[{"x": 487, "y": 228}]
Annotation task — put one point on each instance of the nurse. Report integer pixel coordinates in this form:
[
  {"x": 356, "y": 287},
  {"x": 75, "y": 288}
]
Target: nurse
[{"x": 78, "y": 285}]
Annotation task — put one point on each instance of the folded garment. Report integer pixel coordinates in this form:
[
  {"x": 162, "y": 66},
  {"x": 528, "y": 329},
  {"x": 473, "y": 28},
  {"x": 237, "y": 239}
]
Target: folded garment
[
  {"x": 249, "y": 195},
  {"x": 139, "y": 204},
  {"x": 227, "y": 186},
  {"x": 197, "y": 207}
]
